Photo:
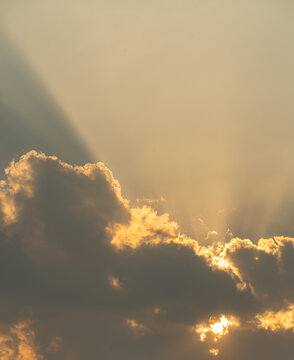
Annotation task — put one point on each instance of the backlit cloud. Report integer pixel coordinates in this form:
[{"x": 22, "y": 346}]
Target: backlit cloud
[
  {"x": 75, "y": 254},
  {"x": 279, "y": 320},
  {"x": 18, "y": 343}
]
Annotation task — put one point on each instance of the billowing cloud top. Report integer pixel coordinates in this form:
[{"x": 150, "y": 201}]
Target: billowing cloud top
[{"x": 84, "y": 274}]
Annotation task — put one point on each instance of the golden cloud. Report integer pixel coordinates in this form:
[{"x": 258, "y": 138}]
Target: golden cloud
[
  {"x": 275, "y": 321},
  {"x": 19, "y": 343}
]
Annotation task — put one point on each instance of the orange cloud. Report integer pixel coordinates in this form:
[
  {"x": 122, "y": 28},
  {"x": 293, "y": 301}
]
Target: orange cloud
[
  {"x": 275, "y": 321},
  {"x": 214, "y": 351},
  {"x": 19, "y": 343},
  {"x": 145, "y": 226}
]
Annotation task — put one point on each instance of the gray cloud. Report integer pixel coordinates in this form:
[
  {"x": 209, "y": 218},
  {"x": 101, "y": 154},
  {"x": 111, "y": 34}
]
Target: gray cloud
[
  {"x": 89, "y": 296},
  {"x": 266, "y": 267}
]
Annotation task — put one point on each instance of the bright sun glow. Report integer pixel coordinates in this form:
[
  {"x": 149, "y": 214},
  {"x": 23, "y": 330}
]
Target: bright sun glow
[
  {"x": 220, "y": 327},
  {"x": 215, "y": 330}
]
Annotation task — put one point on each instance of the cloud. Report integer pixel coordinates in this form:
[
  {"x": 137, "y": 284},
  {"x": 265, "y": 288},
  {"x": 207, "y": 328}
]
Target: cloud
[
  {"x": 18, "y": 343},
  {"x": 266, "y": 267},
  {"x": 275, "y": 321},
  {"x": 75, "y": 254}
]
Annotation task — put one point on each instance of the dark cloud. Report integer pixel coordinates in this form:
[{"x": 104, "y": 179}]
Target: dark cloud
[
  {"x": 257, "y": 344},
  {"x": 266, "y": 267},
  {"x": 100, "y": 278}
]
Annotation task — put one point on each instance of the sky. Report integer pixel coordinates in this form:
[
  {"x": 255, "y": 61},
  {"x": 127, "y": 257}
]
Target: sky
[{"x": 146, "y": 180}]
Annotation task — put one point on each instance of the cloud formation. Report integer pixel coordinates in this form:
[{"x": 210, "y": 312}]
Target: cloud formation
[
  {"x": 18, "y": 343},
  {"x": 93, "y": 276}
]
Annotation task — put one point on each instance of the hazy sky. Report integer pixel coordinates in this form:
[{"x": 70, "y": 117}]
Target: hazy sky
[{"x": 190, "y": 105}]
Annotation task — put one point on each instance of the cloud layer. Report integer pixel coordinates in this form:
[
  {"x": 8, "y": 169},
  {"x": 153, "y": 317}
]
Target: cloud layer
[{"x": 85, "y": 274}]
